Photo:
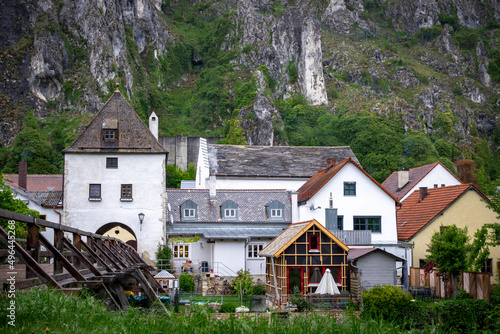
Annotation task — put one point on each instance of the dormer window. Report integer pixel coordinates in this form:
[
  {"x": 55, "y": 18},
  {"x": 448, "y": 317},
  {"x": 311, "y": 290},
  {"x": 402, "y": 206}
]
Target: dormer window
[
  {"x": 275, "y": 211},
  {"x": 189, "y": 211},
  {"x": 110, "y": 135},
  {"x": 229, "y": 210},
  {"x": 110, "y": 130}
]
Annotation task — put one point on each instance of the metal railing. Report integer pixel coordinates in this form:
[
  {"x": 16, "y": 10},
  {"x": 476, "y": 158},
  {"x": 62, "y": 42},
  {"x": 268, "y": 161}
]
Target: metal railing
[
  {"x": 351, "y": 237},
  {"x": 197, "y": 267}
]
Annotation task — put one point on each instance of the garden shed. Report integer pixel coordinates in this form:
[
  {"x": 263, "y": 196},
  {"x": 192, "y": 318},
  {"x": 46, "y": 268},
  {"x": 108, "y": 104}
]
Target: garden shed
[{"x": 299, "y": 256}]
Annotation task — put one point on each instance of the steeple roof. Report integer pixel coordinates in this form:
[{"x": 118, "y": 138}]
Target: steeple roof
[{"x": 128, "y": 132}]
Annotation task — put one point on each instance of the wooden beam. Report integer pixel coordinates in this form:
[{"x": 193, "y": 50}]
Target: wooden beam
[
  {"x": 58, "y": 245},
  {"x": 33, "y": 246},
  {"x": 28, "y": 260},
  {"x": 82, "y": 259},
  {"x": 77, "y": 243},
  {"x": 149, "y": 290},
  {"x": 95, "y": 256},
  {"x": 106, "y": 254},
  {"x": 60, "y": 258}
]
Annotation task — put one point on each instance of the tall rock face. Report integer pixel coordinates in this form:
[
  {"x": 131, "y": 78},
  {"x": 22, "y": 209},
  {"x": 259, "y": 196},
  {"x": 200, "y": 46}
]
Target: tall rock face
[
  {"x": 311, "y": 64},
  {"x": 44, "y": 40}
]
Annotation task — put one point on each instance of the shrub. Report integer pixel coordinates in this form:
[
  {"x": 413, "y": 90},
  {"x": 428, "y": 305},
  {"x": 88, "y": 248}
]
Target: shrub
[
  {"x": 227, "y": 308},
  {"x": 463, "y": 314},
  {"x": 299, "y": 301},
  {"x": 243, "y": 283},
  {"x": 186, "y": 282},
  {"x": 495, "y": 295},
  {"x": 462, "y": 294},
  {"x": 163, "y": 253},
  {"x": 258, "y": 289},
  {"x": 387, "y": 302},
  {"x": 414, "y": 315}
]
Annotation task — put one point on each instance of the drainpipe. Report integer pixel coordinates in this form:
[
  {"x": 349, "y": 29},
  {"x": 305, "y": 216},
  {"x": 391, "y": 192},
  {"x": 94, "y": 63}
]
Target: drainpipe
[
  {"x": 54, "y": 208},
  {"x": 275, "y": 281},
  {"x": 247, "y": 241}
]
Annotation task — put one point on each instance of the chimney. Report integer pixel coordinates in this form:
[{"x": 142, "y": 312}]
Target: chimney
[
  {"x": 23, "y": 175},
  {"x": 423, "y": 193},
  {"x": 403, "y": 177},
  {"x": 330, "y": 162},
  {"x": 153, "y": 124},
  {"x": 211, "y": 182},
  {"x": 295, "y": 208}
]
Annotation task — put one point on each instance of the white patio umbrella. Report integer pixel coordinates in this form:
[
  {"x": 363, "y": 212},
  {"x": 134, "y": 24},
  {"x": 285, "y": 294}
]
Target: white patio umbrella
[{"x": 327, "y": 285}]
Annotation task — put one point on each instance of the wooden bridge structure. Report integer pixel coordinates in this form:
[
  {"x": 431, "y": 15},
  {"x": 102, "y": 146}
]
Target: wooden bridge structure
[{"x": 74, "y": 260}]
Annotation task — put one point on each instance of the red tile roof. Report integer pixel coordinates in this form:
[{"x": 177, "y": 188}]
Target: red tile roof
[
  {"x": 318, "y": 180},
  {"x": 416, "y": 214},
  {"x": 416, "y": 174},
  {"x": 37, "y": 182}
]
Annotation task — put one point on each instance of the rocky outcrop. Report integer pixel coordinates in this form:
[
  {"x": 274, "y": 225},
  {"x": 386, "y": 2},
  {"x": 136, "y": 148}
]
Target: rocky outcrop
[{"x": 260, "y": 120}]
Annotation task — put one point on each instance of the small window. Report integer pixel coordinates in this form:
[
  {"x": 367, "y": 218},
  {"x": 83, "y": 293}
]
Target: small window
[
  {"x": 443, "y": 185},
  {"x": 111, "y": 162},
  {"x": 94, "y": 192},
  {"x": 230, "y": 213},
  {"x": 349, "y": 188},
  {"x": 435, "y": 185},
  {"x": 314, "y": 243},
  {"x": 368, "y": 223},
  {"x": 189, "y": 213},
  {"x": 276, "y": 213},
  {"x": 254, "y": 249},
  {"x": 181, "y": 251},
  {"x": 340, "y": 222},
  {"x": 488, "y": 267},
  {"x": 109, "y": 135},
  {"x": 126, "y": 193}
]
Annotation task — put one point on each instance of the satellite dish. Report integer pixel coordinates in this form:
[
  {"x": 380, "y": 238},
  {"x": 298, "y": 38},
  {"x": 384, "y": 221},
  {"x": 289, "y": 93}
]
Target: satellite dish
[
  {"x": 171, "y": 219},
  {"x": 169, "y": 207}
]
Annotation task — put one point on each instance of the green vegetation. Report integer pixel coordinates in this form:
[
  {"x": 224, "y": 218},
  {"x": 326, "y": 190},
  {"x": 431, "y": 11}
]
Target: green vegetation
[
  {"x": 175, "y": 175},
  {"x": 41, "y": 311},
  {"x": 163, "y": 257},
  {"x": 186, "y": 282}
]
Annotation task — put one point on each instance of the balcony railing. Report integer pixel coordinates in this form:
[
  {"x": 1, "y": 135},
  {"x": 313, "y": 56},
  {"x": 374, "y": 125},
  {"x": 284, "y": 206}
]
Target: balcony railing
[{"x": 354, "y": 238}]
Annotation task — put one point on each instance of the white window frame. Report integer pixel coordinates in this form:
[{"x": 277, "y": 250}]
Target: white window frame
[
  {"x": 230, "y": 213},
  {"x": 276, "y": 213},
  {"x": 253, "y": 251},
  {"x": 181, "y": 251},
  {"x": 189, "y": 213}
]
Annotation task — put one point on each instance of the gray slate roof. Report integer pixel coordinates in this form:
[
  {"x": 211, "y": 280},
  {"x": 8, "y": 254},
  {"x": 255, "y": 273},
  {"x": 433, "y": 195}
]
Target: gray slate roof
[
  {"x": 273, "y": 161},
  {"x": 227, "y": 230},
  {"x": 133, "y": 135},
  {"x": 251, "y": 203}
]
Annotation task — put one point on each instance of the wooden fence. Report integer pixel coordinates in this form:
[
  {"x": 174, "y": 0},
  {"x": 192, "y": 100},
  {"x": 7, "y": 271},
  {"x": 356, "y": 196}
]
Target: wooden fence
[{"x": 478, "y": 285}]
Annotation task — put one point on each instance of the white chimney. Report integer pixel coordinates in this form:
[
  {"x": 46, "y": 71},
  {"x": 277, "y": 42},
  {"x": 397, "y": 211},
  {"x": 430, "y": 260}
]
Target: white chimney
[
  {"x": 403, "y": 178},
  {"x": 153, "y": 124},
  {"x": 211, "y": 182},
  {"x": 295, "y": 208}
]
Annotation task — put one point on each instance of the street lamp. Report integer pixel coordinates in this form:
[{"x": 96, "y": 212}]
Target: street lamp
[{"x": 141, "y": 218}]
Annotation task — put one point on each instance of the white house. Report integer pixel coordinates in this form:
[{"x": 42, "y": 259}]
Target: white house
[
  {"x": 352, "y": 205},
  {"x": 114, "y": 179},
  {"x": 222, "y": 231},
  {"x": 262, "y": 167},
  {"x": 403, "y": 183}
]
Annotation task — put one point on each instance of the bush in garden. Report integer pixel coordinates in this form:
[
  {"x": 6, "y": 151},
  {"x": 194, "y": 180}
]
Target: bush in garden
[
  {"x": 242, "y": 283},
  {"x": 186, "y": 282},
  {"x": 257, "y": 289},
  {"x": 414, "y": 315},
  {"x": 495, "y": 295},
  {"x": 387, "y": 302},
  {"x": 300, "y": 302},
  {"x": 463, "y": 314}
]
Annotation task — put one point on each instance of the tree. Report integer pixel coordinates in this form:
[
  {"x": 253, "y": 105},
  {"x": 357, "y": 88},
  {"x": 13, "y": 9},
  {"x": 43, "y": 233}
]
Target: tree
[
  {"x": 163, "y": 257},
  {"x": 449, "y": 251},
  {"x": 10, "y": 203}
]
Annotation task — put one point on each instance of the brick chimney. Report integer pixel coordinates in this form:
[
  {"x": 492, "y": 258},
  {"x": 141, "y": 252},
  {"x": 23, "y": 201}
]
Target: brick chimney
[
  {"x": 330, "y": 162},
  {"x": 403, "y": 178},
  {"x": 23, "y": 175},
  {"x": 423, "y": 193}
]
